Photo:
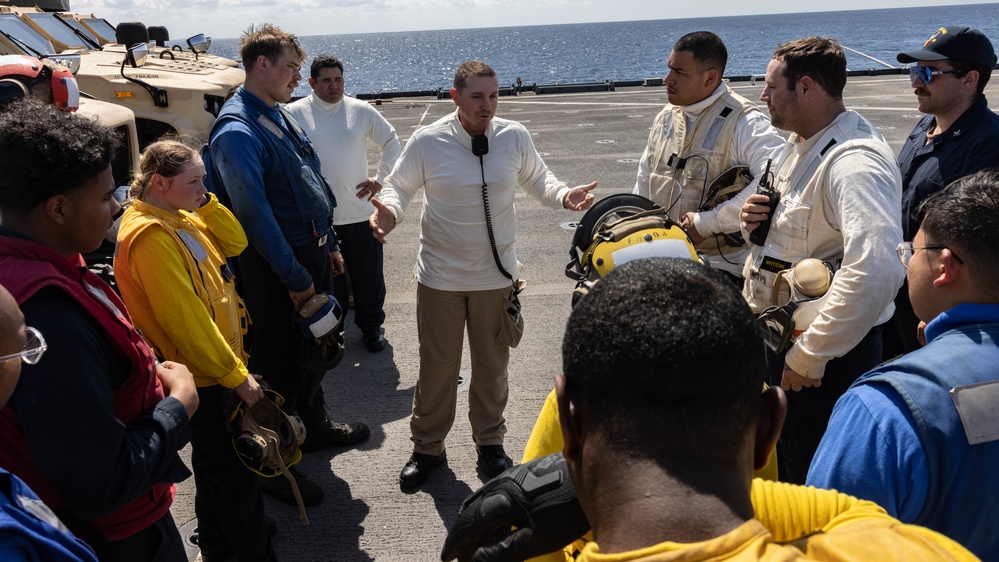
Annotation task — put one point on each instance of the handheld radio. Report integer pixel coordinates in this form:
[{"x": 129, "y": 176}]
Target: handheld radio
[{"x": 759, "y": 236}]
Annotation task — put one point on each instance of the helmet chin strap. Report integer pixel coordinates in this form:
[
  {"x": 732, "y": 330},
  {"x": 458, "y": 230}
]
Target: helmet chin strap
[{"x": 302, "y": 515}]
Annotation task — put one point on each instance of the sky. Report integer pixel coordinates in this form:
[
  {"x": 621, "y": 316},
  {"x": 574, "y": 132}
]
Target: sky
[{"x": 228, "y": 18}]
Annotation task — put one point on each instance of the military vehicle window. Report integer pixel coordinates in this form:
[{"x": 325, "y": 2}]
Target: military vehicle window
[
  {"x": 79, "y": 27},
  {"x": 101, "y": 27},
  {"x": 121, "y": 163},
  {"x": 59, "y": 31},
  {"x": 20, "y": 32}
]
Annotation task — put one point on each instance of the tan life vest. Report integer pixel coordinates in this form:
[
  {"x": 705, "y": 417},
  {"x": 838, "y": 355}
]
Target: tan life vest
[{"x": 683, "y": 163}]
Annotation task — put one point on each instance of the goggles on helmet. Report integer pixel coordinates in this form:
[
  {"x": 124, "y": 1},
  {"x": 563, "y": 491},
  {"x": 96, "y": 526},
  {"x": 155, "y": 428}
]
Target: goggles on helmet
[{"x": 805, "y": 286}]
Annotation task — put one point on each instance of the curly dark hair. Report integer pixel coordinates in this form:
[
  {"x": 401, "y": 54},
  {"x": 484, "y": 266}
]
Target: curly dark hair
[
  {"x": 47, "y": 151},
  {"x": 668, "y": 357}
]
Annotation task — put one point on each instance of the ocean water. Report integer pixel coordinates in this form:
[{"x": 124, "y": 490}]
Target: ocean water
[{"x": 634, "y": 50}]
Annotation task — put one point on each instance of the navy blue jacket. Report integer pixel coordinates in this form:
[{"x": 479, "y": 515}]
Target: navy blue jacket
[
  {"x": 971, "y": 144},
  {"x": 963, "y": 492},
  {"x": 273, "y": 179}
]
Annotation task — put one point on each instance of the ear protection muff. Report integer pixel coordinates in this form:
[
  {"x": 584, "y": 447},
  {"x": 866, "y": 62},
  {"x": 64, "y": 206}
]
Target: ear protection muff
[
  {"x": 19, "y": 74},
  {"x": 320, "y": 325},
  {"x": 727, "y": 185},
  {"x": 65, "y": 89},
  {"x": 266, "y": 439},
  {"x": 805, "y": 289},
  {"x": 319, "y": 316}
]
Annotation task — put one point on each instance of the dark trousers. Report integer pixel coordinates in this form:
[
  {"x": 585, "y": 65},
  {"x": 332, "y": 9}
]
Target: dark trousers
[
  {"x": 899, "y": 336},
  {"x": 228, "y": 501},
  {"x": 363, "y": 257},
  {"x": 809, "y": 409},
  {"x": 275, "y": 350},
  {"x": 159, "y": 542}
]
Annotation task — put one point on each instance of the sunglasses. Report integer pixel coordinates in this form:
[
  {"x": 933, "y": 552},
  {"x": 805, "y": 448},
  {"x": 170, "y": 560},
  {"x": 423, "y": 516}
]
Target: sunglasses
[
  {"x": 925, "y": 73},
  {"x": 34, "y": 347}
]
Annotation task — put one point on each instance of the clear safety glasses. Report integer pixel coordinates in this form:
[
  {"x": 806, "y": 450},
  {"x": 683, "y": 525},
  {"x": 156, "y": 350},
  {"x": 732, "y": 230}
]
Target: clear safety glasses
[
  {"x": 34, "y": 347},
  {"x": 905, "y": 251}
]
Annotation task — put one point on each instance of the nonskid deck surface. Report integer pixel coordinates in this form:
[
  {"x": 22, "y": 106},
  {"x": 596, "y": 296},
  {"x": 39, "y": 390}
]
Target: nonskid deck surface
[{"x": 583, "y": 137}]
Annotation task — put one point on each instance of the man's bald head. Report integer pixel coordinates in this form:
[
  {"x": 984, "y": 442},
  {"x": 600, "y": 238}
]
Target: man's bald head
[{"x": 11, "y": 341}]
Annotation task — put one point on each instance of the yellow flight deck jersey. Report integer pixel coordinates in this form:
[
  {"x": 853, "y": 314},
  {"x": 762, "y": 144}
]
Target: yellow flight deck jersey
[{"x": 792, "y": 523}]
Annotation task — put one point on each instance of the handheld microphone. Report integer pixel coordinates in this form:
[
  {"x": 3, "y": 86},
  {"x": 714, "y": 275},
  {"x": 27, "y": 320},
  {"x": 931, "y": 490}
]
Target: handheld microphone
[{"x": 480, "y": 145}]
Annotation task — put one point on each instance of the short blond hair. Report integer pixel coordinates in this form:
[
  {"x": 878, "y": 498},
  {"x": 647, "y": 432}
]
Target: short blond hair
[{"x": 471, "y": 68}]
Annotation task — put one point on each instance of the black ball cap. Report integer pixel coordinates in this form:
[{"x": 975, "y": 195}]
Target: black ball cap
[{"x": 962, "y": 43}]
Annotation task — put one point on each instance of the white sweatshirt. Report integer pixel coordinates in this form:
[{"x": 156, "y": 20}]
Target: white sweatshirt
[
  {"x": 339, "y": 132},
  {"x": 455, "y": 254}
]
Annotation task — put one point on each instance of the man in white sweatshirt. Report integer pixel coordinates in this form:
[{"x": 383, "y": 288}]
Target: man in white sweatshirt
[
  {"x": 467, "y": 263},
  {"x": 340, "y": 127},
  {"x": 703, "y": 131},
  {"x": 840, "y": 202}
]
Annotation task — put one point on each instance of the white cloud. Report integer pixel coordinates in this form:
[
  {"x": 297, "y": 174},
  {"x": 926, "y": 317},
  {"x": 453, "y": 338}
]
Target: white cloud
[{"x": 228, "y": 18}]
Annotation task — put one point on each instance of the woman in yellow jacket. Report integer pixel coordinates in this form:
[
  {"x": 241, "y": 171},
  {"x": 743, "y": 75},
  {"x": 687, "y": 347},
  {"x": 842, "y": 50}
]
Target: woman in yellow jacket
[{"x": 171, "y": 268}]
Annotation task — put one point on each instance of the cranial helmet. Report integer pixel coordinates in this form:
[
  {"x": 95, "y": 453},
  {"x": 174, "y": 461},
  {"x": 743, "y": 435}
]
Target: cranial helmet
[
  {"x": 805, "y": 289},
  {"x": 267, "y": 440},
  {"x": 22, "y": 76},
  {"x": 727, "y": 185},
  {"x": 320, "y": 322},
  {"x": 618, "y": 229}
]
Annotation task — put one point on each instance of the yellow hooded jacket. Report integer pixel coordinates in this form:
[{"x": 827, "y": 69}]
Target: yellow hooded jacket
[{"x": 169, "y": 268}]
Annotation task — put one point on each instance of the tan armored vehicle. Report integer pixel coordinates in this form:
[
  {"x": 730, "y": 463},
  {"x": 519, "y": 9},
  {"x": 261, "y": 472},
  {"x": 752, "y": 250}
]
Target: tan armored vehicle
[{"x": 169, "y": 89}]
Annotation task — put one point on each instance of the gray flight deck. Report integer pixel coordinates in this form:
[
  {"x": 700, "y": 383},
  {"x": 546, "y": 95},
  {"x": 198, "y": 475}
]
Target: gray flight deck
[{"x": 583, "y": 137}]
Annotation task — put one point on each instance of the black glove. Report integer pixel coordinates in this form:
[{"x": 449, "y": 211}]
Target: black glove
[{"x": 536, "y": 497}]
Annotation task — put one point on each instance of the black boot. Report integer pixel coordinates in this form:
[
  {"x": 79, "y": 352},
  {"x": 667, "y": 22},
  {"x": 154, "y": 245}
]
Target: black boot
[{"x": 321, "y": 432}]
